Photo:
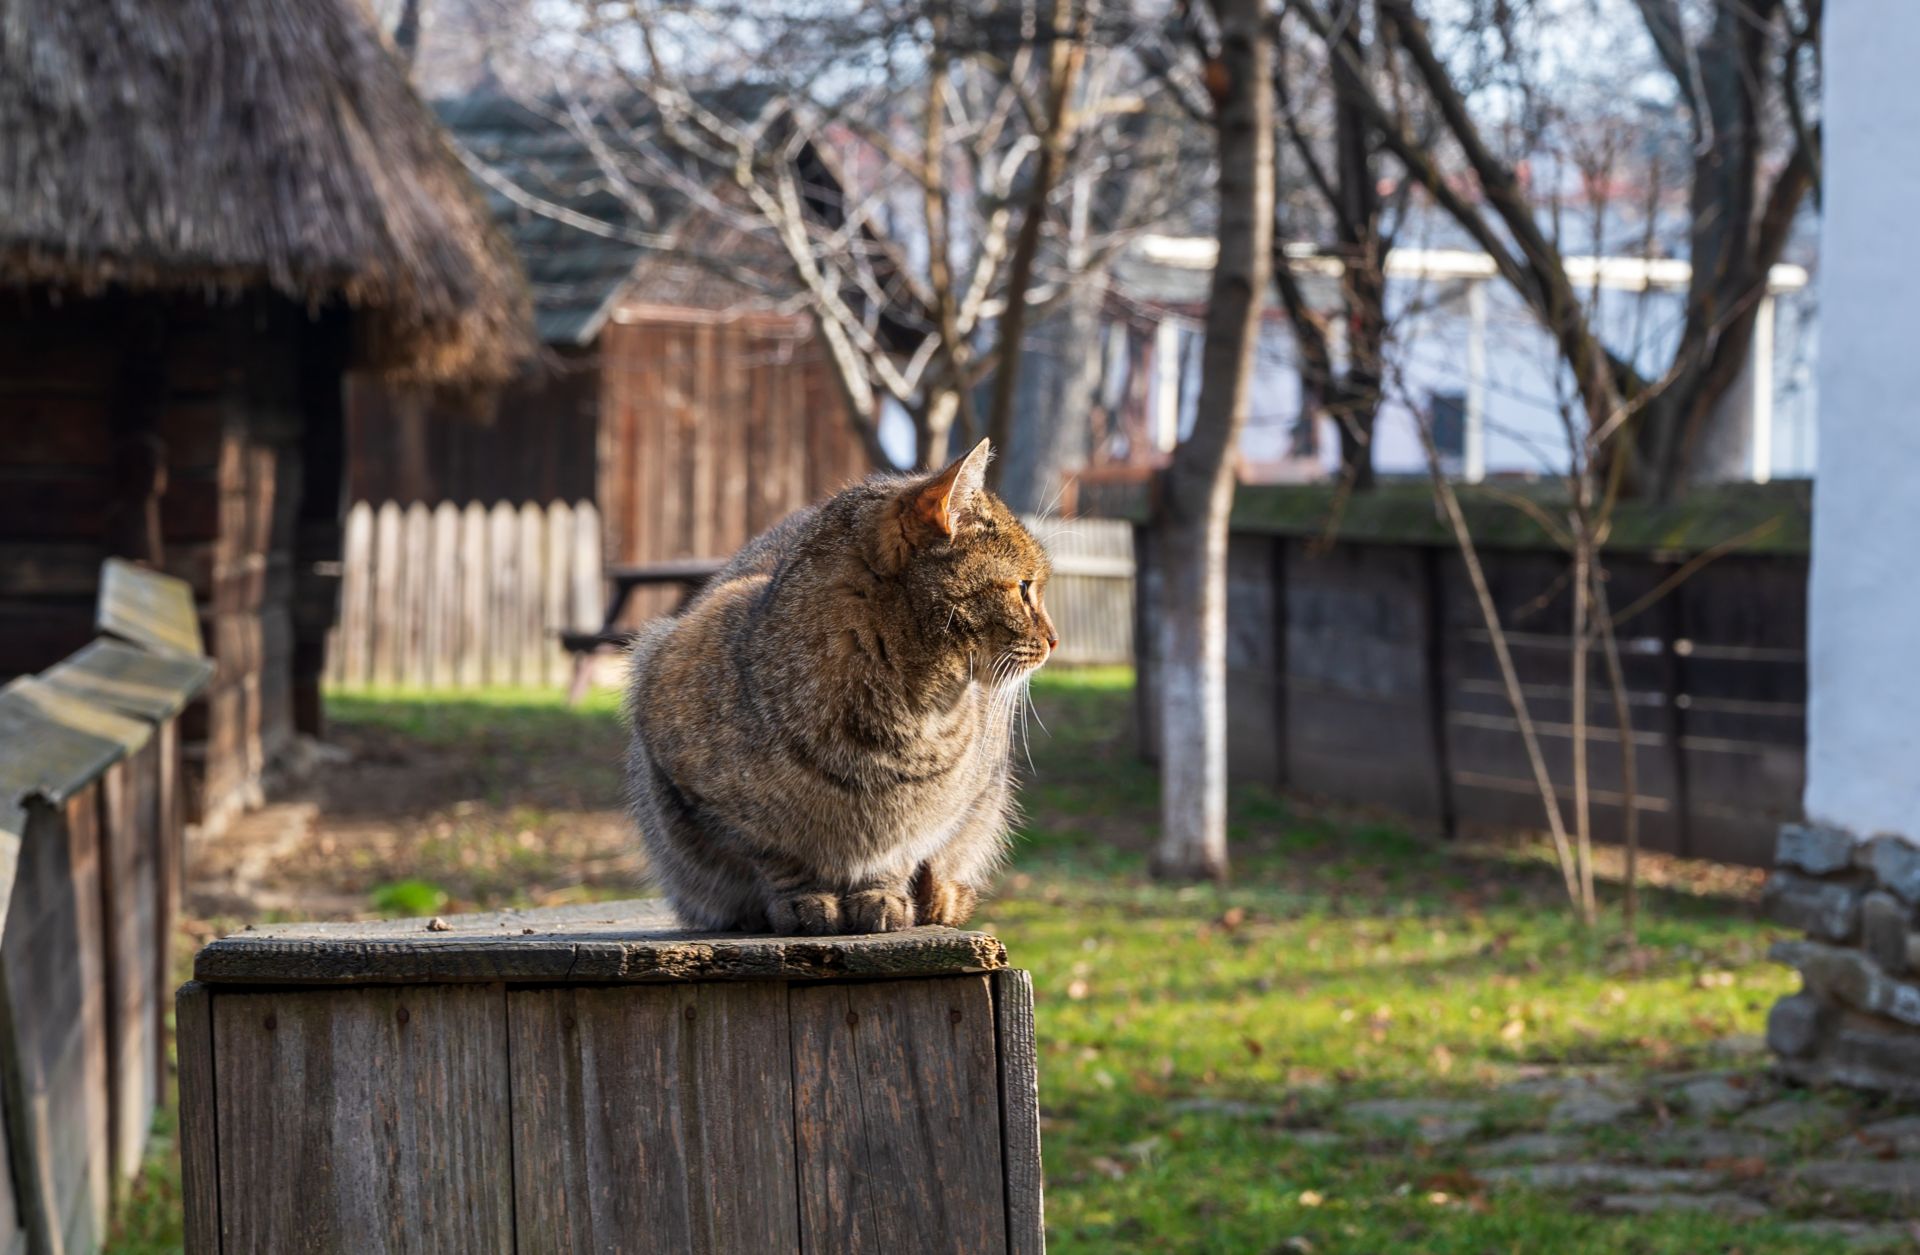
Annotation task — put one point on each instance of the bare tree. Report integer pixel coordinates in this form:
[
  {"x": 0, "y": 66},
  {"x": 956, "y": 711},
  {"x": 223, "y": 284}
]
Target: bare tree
[
  {"x": 1071, "y": 24},
  {"x": 899, "y": 164},
  {"x": 1196, "y": 493},
  {"x": 1335, "y": 151},
  {"x": 1741, "y": 70}
]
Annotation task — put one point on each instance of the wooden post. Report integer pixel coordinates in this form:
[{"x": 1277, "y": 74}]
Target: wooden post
[
  {"x": 566, "y": 1079},
  {"x": 1434, "y": 595},
  {"x": 1673, "y": 716}
]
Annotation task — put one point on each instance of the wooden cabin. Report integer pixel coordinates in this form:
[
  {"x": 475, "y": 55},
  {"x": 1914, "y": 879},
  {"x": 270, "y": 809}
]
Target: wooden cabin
[
  {"x": 210, "y": 216},
  {"x": 690, "y": 410}
]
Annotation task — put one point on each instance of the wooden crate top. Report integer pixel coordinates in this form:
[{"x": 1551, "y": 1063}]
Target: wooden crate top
[{"x": 600, "y": 943}]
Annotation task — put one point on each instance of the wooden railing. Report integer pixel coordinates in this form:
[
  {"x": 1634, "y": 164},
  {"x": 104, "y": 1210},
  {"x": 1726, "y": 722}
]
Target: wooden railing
[
  {"x": 90, "y": 873},
  {"x": 458, "y": 598}
]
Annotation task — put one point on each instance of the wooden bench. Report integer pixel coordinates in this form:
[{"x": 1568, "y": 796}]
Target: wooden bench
[
  {"x": 594, "y": 1079},
  {"x": 690, "y": 574}
]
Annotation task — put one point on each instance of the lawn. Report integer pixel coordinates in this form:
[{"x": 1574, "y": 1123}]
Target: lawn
[{"x": 1202, "y": 1049}]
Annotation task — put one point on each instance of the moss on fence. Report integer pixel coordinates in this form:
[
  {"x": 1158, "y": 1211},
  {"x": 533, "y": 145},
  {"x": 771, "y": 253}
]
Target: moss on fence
[{"x": 1751, "y": 518}]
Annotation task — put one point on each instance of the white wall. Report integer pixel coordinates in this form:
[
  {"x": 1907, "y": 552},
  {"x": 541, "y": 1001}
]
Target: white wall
[{"x": 1863, "y": 769}]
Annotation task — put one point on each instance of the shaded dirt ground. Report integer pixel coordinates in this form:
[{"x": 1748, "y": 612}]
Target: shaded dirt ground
[{"x": 410, "y": 808}]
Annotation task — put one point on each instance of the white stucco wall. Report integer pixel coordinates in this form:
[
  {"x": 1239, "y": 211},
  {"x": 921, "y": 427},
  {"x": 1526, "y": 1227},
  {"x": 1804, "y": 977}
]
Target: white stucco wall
[{"x": 1863, "y": 769}]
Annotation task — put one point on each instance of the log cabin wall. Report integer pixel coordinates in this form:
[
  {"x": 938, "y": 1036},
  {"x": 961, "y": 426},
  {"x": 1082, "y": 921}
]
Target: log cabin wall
[
  {"x": 535, "y": 442},
  {"x": 203, "y": 434},
  {"x": 714, "y": 427}
]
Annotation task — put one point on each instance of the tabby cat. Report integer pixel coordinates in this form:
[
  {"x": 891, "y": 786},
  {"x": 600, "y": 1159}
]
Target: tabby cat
[{"x": 821, "y": 738}]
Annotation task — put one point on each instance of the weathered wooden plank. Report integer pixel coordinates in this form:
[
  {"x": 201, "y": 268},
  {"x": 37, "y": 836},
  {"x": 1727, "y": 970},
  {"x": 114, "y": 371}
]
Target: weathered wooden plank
[
  {"x": 443, "y": 596},
  {"x": 364, "y": 1120},
  {"x": 14, "y": 1210},
  {"x": 609, "y": 942},
  {"x": 384, "y": 617},
  {"x": 170, "y": 842},
  {"x": 150, "y": 609},
  {"x": 553, "y": 600},
  {"x": 53, "y": 1065},
  {"x": 653, "y": 1118},
  {"x": 588, "y": 586},
  {"x": 199, "y": 1119},
  {"x": 1019, "y": 1110},
  {"x": 13, "y": 827},
  {"x": 130, "y": 894},
  {"x": 52, "y": 745},
  {"x": 503, "y": 575},
  {"x": 528, "y": 595},
  {"x": 350, "y": 656},
  {"x": 415, "y": 580},
  {"x": 59, "y": 705},
  {"x": 897, "y": 1115},
  {"x": 131, "y": 681},
  {"x": 13, "y": 1229},
  {"x": 473, "y": 635}
]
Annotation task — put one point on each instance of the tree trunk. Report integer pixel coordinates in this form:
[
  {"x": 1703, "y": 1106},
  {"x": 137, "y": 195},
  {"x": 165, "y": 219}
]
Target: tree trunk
[
  {"x": 1354, "y": 407},
  {"x": 1054, "y": 401},
  {"x": 1197, "y": 492},
  {"x": 932, "y": 424}
]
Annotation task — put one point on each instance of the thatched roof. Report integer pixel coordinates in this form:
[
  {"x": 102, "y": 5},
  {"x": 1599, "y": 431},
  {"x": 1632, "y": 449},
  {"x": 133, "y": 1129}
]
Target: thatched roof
[{"x": 228, "y": 144}]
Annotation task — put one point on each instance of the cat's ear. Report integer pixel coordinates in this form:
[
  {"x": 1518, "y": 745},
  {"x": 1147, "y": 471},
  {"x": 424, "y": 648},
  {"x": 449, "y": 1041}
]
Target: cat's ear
[{"x": 940, "y": 503}]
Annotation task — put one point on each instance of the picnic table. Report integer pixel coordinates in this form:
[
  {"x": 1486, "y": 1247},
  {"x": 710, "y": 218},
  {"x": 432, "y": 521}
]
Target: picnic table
[{"x": 690, "y": 574}]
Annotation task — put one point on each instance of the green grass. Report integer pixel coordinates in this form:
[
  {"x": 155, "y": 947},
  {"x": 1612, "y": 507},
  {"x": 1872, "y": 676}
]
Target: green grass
[{"x": 1348, "y": 959}]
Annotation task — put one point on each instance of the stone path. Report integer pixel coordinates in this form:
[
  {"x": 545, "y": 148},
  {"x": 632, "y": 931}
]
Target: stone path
[{"x": 1734, "y": 1141}]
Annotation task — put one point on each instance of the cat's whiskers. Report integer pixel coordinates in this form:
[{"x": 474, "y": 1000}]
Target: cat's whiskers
[
  {"x": 1027, "y": 688},
  {"x": 1026, "y": 743}
]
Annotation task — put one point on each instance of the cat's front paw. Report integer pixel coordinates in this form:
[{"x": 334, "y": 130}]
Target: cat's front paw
[
  {"x": 811, "y": 914},
  {"x": 876, "y": 911},
  {"x": 947, "y": 902}
]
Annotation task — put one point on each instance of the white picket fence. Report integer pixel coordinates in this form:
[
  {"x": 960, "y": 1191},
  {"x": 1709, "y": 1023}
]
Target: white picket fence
[
  {"x": 1091, "y": 594},
  {"x": 454, "y": 597},
  {"x": 458, "y": 598}
]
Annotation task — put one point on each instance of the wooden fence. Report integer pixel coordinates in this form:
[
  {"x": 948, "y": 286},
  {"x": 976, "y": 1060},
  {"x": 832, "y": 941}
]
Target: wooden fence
[
  {"x": 452, "y": 598},
  {"x": 1362, "y": 671},
  {"x": 463, "y": 597},
  {"x": 1090, "y": 597},
  {"x": 91, "y": 821}
]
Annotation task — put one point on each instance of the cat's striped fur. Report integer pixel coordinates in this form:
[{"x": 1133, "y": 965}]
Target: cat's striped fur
[{"x": 821, "y": 738}]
